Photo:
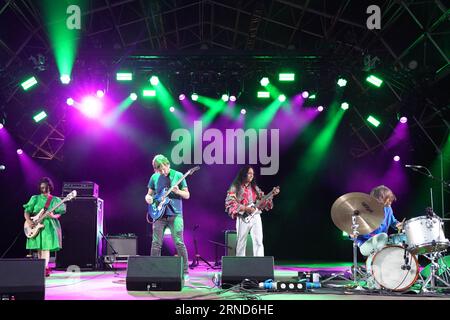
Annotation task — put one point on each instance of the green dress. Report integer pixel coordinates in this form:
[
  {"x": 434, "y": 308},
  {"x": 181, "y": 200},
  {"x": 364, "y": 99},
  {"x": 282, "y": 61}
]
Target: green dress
[{"x": 50, "y": 236}]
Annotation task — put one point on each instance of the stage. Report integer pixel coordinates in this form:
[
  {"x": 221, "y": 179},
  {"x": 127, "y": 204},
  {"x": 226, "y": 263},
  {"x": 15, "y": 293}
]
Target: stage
[{"x": 110, "y": 285}]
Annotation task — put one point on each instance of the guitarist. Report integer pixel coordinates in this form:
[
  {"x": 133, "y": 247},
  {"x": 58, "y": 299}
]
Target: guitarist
[
  {"x": 49, "y": 239},
  {"x": 172, "y": 218},
  {"x": 242, "y": 194}
]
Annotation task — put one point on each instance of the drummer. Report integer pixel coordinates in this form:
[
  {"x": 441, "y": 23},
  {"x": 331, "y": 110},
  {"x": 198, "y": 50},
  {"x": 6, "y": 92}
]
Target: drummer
[{"x": 386, "y": 197}]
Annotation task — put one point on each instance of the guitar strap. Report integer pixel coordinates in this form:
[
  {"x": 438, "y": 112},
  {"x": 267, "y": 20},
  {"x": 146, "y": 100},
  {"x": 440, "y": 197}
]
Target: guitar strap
[{"x": 47, "y": 204}]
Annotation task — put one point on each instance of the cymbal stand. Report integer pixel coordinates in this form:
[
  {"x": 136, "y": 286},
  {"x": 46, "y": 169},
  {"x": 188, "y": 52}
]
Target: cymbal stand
[
  {"x": 356, "y": 272},
  {"x": 433, "y": 278}
]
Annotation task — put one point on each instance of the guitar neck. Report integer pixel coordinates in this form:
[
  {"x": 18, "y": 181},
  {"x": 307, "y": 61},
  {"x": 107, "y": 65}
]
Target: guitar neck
[
  {"x": 176, "y": 184},
  {"x": 47, "y": 213}
]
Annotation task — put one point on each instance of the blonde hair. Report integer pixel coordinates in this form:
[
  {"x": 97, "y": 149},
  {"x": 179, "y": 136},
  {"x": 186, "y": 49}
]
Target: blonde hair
[
  {"x": 381, "y": 193},
  {"x": 159, "y": 160}
]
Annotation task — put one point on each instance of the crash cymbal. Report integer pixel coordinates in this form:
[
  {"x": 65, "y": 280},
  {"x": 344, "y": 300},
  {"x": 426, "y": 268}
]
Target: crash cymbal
[{"x": 369, "y": 212}]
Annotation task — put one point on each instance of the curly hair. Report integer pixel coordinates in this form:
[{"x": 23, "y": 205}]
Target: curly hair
[
  {"x": 242, "y": 176},
  {"x": 48, "y": 182}
]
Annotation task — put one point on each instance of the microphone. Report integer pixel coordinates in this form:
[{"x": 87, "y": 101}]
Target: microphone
[{"x": 412, "y": 166}]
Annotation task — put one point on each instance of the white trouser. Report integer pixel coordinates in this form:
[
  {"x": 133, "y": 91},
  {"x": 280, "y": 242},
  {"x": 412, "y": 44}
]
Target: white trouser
[{"x": 255, "y": 229}]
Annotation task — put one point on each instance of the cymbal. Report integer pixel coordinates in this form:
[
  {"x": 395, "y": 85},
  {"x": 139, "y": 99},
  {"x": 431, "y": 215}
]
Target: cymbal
[{"x": 369, "y": 212}]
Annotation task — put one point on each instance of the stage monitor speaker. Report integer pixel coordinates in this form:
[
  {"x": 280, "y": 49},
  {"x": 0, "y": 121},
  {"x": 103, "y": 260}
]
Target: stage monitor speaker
[
  {"x": 256, "y": 269},
  {"x": 163, "y": 273},
  {"x": 82, "y": 228},
  {"x": 22, "y": 279},
  {"x": 230, "y": 241}
]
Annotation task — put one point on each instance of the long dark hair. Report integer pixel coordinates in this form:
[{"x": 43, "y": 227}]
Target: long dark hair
[
  {"x": 48, "y": 182},
  {"x": 241, "y": 176}
]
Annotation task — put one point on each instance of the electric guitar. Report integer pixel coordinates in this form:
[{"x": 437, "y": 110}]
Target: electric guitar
[
  {"x": 33, "y": 231},
  {"x": 161, "y": 201},
  {"x": 258, "y": 210}
]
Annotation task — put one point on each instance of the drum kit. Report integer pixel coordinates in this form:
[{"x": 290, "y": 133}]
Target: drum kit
[{"x": 392, "y": 261}]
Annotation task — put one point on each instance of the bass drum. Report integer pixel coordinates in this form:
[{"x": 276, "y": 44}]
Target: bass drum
[{"x": 387, "y": 269}]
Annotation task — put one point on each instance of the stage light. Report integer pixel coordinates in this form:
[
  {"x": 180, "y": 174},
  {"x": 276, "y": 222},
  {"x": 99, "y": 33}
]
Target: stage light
[
  {"x": 149, "y": 93},
  {"x": 154, "y": 80},
  {"x": 396, "y": 158},
  {"x": 1, "y": 126},
  {"x": 320, "y": 108},
  {"x": 40, "y": 116},
  {"x": 181, "y": 97},
  {"x": 263, "y": 94},
  {"x": 133, "y": 96},
  {"x": 305, "y": 94},
  {"x": 172, "y": 109},
  {"x": 70, "y": 101},
  {"x": 345, "y": 105},
  {"x": 281, "y": 98},
  {"x": 91, "y": 107},
  {"x": 372, "y": 120},
  {"x": 225, "y": 97},
  {"x": 312, "y": 97},
  {"x": 243, "y": 111},
  {"x": 2, "y": 167},
  {"x": 194, "y": 97},
  {"x": 124, "y": 76},
  {"x": 19, "y": 151},
  {"x": 100, "y": 93},
  {"x": 29, "y": 83},
  {"x": 374, "y": 80},
  {"x": 403, "y": 119},
  {"x": 341, "y": 82},
  {"x": 65, "y": 79},
  {"x": 232, "y": 98},
  {"x": 286, "y": 76},
  {"x": 264, "y": 81}
]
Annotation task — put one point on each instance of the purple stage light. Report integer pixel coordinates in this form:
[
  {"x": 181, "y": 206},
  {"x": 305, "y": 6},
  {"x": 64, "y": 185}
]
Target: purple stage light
[
  {"x": 100, "y": 93},
  {"x": 305, "y": 94},
  {"x": 181, "y": 97},
  {"x": 320, "y": 108},
  {"x": 403, "y": 119},
  {"x": 91, "y": 107},
  {"x": 232, "y": 98},
  {"x": 243, "y": 111},
  {"x": 1, "y": 126},
  {"x": 19, "y": 151},
  {"x": 70, "y": 101},
  {"x": 396, "y": 158}
]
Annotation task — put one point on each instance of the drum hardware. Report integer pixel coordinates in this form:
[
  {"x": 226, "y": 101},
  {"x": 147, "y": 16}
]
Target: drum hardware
[{"x": 433, "y": 278}]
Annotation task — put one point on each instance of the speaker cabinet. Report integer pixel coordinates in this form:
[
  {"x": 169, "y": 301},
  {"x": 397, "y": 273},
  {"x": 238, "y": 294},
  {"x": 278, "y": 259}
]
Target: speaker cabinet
[
  {"x": 237, "y": 269},
  {"x": 146, "y": 273},
  {"x": 22, "y": 279},
  {"x": 230, "y": 241},
  {"x": 82, "y": 228}
]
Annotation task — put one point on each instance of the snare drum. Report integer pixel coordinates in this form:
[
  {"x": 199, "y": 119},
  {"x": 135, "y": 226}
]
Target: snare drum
[
  {"x": 387, "y": 269},
  {"x": 397, "y": 239},
  {"x": 425, "y": 234}
]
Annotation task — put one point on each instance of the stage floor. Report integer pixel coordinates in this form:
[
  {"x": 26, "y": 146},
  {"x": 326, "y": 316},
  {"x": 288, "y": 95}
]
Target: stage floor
[{"x": 110, "y": 285}]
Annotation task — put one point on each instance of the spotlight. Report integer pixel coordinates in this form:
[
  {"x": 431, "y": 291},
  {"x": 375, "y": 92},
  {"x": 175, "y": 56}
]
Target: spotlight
[
  {"x": 154, "y": 80},
  {"x": 124, "y": 76},
  {"x": 305, "y": 94},
  {"x": 40, "y": 116},
  {"x": 70, "y": 101},
  {"x": 264, "y": 81},
  {"x": 1, "y": 126},
  {"x": 149, "y": 93},
  {"x": 243, "y": 111},
  {"x": 263, "y": 94},
  {"x": 194, "y": 97},
  {"x": 91, "y": 107},
  {"x": 374, "y": 121},
  {"x": 29, "y": 83},
  {"x": 172, "y": 109},
  {"x": 396, "y": 158},
  {"x": 286, "y": 76},
  {"x": 232, "y": 98},
  {"x": 2, "y": 167},
  {"x": 320, "y": 108},
  {"x": 225, "y": 97},
  {"x": 133, "y": 96},
  {"x": 65, "y": 79},
  {"x": 100, "y": 93},
  {"x": 181, "y": 97},
  {"x": 342, "y": 82},
  {"x": 377, "y": 82},
  {"x": 19, "y": 151},
  {"x": 344, "y": 105},
  {"x": 281, "y": 98},
  {"x": 403, "y": 119}
]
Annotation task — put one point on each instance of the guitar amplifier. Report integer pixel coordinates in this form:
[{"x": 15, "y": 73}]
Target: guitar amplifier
[{"x": 84, "y": 188}]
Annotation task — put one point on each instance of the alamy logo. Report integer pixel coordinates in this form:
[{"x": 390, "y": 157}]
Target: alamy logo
[
  {"x": 74, "y": 20},
  {"x": 227, "y": 149},
  {"x": 374, "y": 20}
]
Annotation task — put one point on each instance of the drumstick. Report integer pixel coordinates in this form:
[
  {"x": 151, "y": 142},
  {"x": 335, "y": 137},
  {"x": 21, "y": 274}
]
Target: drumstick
[{"x": 398, "y": 231}]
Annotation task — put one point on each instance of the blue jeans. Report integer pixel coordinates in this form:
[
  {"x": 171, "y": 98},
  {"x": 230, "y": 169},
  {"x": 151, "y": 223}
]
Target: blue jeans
[{"x": 175, "y": 225}]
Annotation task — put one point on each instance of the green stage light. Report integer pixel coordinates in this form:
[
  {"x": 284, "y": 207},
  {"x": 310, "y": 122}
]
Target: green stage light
[
  {"x": 65, "y": 79},
  {"x": 312, "y": 97},
  {"x": 194, "y": 97},
  {"x": 124, "y": 76},
  {"x": 154, "y": 80},
  {"x": 281, "y": 98},
  {"x": 264, "y": 81},
  {"x": 263, "y": 94},
  {"x": 133, "y": 96},
  {"x": 375, "y": 122},
  {"x": 40, "y": 116},
  {"x": 345, "y": 105},
  {"x": 286, "y": 76},
  {"x": 374, "y": 80},
  {"x": 29, "y": 83},
  {"x": 341, "y": 82},
  {"x": 225, "y": 97},
  {"x": 149, "y": 93}
]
